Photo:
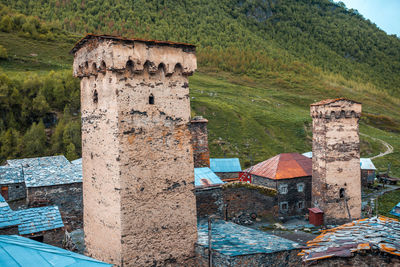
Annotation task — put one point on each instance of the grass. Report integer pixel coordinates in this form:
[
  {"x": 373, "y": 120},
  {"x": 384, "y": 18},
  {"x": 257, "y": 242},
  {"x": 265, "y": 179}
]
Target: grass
[{"x": 387, "y": 202}]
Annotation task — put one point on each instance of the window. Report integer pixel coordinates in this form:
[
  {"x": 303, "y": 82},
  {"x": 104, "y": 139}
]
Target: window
[
  {"x": 300, "y": 205},
  {"x": 283, "y": 189},
  {"x": 300, "y": 187},
  {"x": 151, "y": 99},
  {"x": 284, "y": 206},
  {"x": 95, "y": 96},
  {"x": 342, "y": 193}
]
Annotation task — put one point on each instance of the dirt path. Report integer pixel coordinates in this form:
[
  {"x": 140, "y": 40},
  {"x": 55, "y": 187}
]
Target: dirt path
[{"x": 389, "y": 147}]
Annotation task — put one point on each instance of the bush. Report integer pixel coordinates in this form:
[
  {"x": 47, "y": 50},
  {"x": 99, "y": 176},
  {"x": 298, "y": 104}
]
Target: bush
[{"x": 3, "y": 52}]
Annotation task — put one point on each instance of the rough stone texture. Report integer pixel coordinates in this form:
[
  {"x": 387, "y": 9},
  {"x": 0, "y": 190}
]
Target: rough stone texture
[
  {"x": 228, "y": 176},
  {"x": 336, "y": 159},
  {"x": 13, "y": 230},
  {"x": 364, "y": 177},
  {"x": 201, "y": 153},
  {"x": 16, "y": 191},
  {"x": 209, "y": 201},
  {"x": 68, "y": 198},
  {"x": 138, "y": 174},
  {"x": 368, "y": 259},
  {"x": 52, "y": 237},
  {"x": 238, "y": 200},
  {"x": 281, "y": 259},
  {"x": 292, "y": 197}
]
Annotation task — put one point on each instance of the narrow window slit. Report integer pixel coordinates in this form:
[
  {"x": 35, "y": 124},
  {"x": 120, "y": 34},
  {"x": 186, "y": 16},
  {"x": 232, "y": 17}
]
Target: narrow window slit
[{"x": 151, "y": 99}]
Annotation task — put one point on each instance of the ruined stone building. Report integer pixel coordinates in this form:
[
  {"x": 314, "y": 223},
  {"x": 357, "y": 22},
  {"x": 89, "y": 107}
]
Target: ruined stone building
[
  {"x": 336, "y": 183},
  {"x": 138, "y": 172}
]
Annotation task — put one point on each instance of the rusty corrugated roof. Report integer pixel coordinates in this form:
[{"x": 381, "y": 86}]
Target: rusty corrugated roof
[
  {"x": 88, "y": 37},
  {"x": 283, "y": 166},
  {"x": 329, "y": 101}
]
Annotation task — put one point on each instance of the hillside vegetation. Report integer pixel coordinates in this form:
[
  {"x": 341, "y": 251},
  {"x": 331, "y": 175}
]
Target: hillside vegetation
[{"x": 261, "y": 63}]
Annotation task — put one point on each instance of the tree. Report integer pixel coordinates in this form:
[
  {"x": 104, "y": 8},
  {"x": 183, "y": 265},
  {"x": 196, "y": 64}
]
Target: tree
[
  {"x": 35, "y": 141},
  {"x": 71, "y": 152}
]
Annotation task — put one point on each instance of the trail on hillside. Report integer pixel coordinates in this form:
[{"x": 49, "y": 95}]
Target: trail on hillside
[{"x": 389, "y": 147}]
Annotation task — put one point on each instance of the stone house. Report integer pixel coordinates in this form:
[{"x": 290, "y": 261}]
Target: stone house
[
  {"x": 12, "y": 183},
  {"x": 227, "y": 169},
  {"x": 290, "y": 175},
  {"x": 368, "y": 171}
]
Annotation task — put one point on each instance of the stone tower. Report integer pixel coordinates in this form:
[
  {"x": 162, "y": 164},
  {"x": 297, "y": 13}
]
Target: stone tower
[
  {"x": 336, "y": 185},
  {"x": 138, "y": 176},
  {"x": 201, "y": 153}
]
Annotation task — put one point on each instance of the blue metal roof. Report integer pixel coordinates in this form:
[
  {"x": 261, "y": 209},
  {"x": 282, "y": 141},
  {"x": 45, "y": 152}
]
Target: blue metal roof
[
  {"x": 225, "y": 165},
  {"x": 11, "y": 175},
  {"x": 7, "y": 216},
  {"x": 55, "y": 161},
  {"x": 308, "y": 154},
  {"x": 234, "y": 240},
  {"x": 205, "y": 177},
  {"x": 52, "y": 175},
  {"x": 39, "y": 219},
  {"x": 366, "y": 164},
  {"x": 396, "y": 210},
  {"x": 20, "y": 251},
  {"x": 77, "y": 161}
]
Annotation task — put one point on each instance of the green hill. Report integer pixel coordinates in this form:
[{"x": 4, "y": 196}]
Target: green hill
[{"x": 261, "y": 63}]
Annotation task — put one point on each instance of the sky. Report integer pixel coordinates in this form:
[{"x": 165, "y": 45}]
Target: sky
[{"x": 384, "y": 13}]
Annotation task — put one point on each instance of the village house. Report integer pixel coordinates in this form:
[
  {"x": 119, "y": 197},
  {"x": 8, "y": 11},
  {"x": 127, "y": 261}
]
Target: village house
[
  {"x": 227, "y": 169},
  {"x": 368, "y": 170},
  {"x": 290, "y": 175},
  {"x": 12, "y": 183}
]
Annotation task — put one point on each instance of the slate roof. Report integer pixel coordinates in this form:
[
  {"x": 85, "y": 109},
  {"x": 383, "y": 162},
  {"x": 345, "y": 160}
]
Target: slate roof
[
  {"x": 283, "y": 166},
  {"x": 53, "y": 175},
  {"x": 11, "y": 175},
  {"x": 20, "y": 251},
  {"x": 376, "y": 233},
  {"x": 8, "y": 217},
  {"x": 204, "y": 177},
  {"x": 53, "y": 161},
  {"x": 225, "y": 165},
  {"x": 235, "y": 240},
  {"x": 39, "y": 219},
  {"x": 366, "y": 164},
  {"x": 77, "y": 161},
  {"x": 396, "y": 210}
]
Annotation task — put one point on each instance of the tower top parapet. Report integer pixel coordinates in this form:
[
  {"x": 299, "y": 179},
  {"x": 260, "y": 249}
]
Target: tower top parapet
[
  {"x": 336, "y": 108},
  {"x": 100, "y": 53}
]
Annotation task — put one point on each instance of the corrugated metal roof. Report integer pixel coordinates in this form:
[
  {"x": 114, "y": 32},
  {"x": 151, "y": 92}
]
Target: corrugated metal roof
[
  {"x": 308, "y": 154},
  {"x": 396, "y": 210},
  {"x": 205, "y": 177},
  {"x": 366, "y": 164},
  {"x": 362, "y": 235},
  {"x": 20, "y": 251},
  {"x": 52, "y": 175},
  {"x": 8, "y": 217},
  {"x": 231, "y": 239},
  {"x": 225, "y": 165},
  {"x": 54, "y": 161},
  {"x": 39, "y": 219},
  {"x": 283, "y": 166},
  {"x": 11, "y": 175}
]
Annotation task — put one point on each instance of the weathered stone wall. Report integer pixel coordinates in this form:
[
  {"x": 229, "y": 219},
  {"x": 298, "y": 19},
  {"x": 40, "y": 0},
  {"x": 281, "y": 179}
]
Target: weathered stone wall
[
  {"x": 293, "y": 197},
  {"x": 258, "y": 180},
  {"x": 15, "y": 191},
  {"x": 368, "y": 259},
  {"x": 53, "y": 237},
  {"x": 281, "y": 259},
  {"x": 68, "y": 198},
  {"x": 209, "y": 201},
  {"x": 201, "y": 153},
  {"x": 138, "y": 171},
  {"x": 364, "y": 177},
  {"x": 13, "y": 230},
  {"x": 227, "y": 175},
  {"x": 336, "y": 160}
]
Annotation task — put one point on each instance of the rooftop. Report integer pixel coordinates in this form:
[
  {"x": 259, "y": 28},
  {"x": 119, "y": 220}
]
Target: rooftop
[
  {"x": 204, "y": 177},
  {"x": 366, "y": 164},
  {"x": 39, "y": 219},
  {"x": 283, "y": 166},
  {"x": 11, "y": 175},
  {"x": 52, "y": 161},
  {"x": 225, "y": 165},
  {"x": 53, "y": 175},
  {"x": 377, "y": 233},
  {"x": 235, "y": 240},
  {"x": 20, "y": 251},
  {"x": 329, "y": 101},
  {"x": 88, "y": 37},
  {"x": 8, "y": 217}
]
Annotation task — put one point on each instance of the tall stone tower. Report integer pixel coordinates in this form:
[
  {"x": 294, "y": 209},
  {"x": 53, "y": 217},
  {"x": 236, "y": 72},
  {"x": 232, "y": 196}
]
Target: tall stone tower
[
  {"x": 201, "y": 153},
  {"x": 336, "y": 184},
  {"x": 138, "y": 176}
]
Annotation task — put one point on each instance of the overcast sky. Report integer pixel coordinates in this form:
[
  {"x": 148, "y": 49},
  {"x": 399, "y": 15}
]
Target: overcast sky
[{"x": 384, "y": 13}]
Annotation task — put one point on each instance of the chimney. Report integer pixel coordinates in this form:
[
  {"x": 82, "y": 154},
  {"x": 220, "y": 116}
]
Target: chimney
[{"x": 201, "y": 153}]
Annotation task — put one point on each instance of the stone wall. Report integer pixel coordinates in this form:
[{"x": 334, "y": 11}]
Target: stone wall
[
  {"x": 227, "y": 175},
  {"x": 336, "y": 160},
  {"x": 364, "y": 177},
  {"x": 138, "y": 174},
  {"x": 201, "y": 153},
  {"x": 68, "y": 198},
  {"x": 13, "y": 230},
  {"x": 16, "y": 191},
  {"x": 209, "y": 201},
  {"x": 53, "y": 237},
  {"x": 366, "y": 259}
]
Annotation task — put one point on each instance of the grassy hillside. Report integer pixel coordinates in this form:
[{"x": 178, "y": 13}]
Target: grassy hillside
[{"x": 254, "y": 88}]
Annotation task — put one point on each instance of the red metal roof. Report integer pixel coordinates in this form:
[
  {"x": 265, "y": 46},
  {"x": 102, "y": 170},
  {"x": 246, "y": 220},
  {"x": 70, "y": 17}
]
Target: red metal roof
[
  {"x": 329, "y": 101},
  {"x": 316, "y": 210},
  {"x": 283, "y": 166},
  {"x": 82, "y": 41}
]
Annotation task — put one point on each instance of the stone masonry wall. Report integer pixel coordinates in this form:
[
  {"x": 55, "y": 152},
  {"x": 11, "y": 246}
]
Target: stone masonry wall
[
  {"x": 138, "y": 174},
  {"x": 209, "y": 201},
  {"x": 68, "y": 198},
  {"x": 336, "y": 160},
  {"x": 201, "y": 153},
  {"x": 16, "y": 191},
  {"x": 227, "y": 175}
]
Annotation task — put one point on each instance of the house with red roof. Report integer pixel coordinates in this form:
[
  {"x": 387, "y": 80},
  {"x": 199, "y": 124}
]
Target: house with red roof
[{"x": 290, "y": 174}]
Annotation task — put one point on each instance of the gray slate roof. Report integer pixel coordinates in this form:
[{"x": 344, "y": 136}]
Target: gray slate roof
[
  {"x": 39, "y": 219},
  {"x": 11, "y": 175},
  {"x": 52, "y": 175},
  {"x": 53, "y": 161},
  {"x": 8, "y": 217}
]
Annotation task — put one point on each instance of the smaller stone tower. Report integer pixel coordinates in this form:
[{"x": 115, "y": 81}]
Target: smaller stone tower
[
  {"x": 201, "y": 153},
  {"x": 336, "y": 185}
]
